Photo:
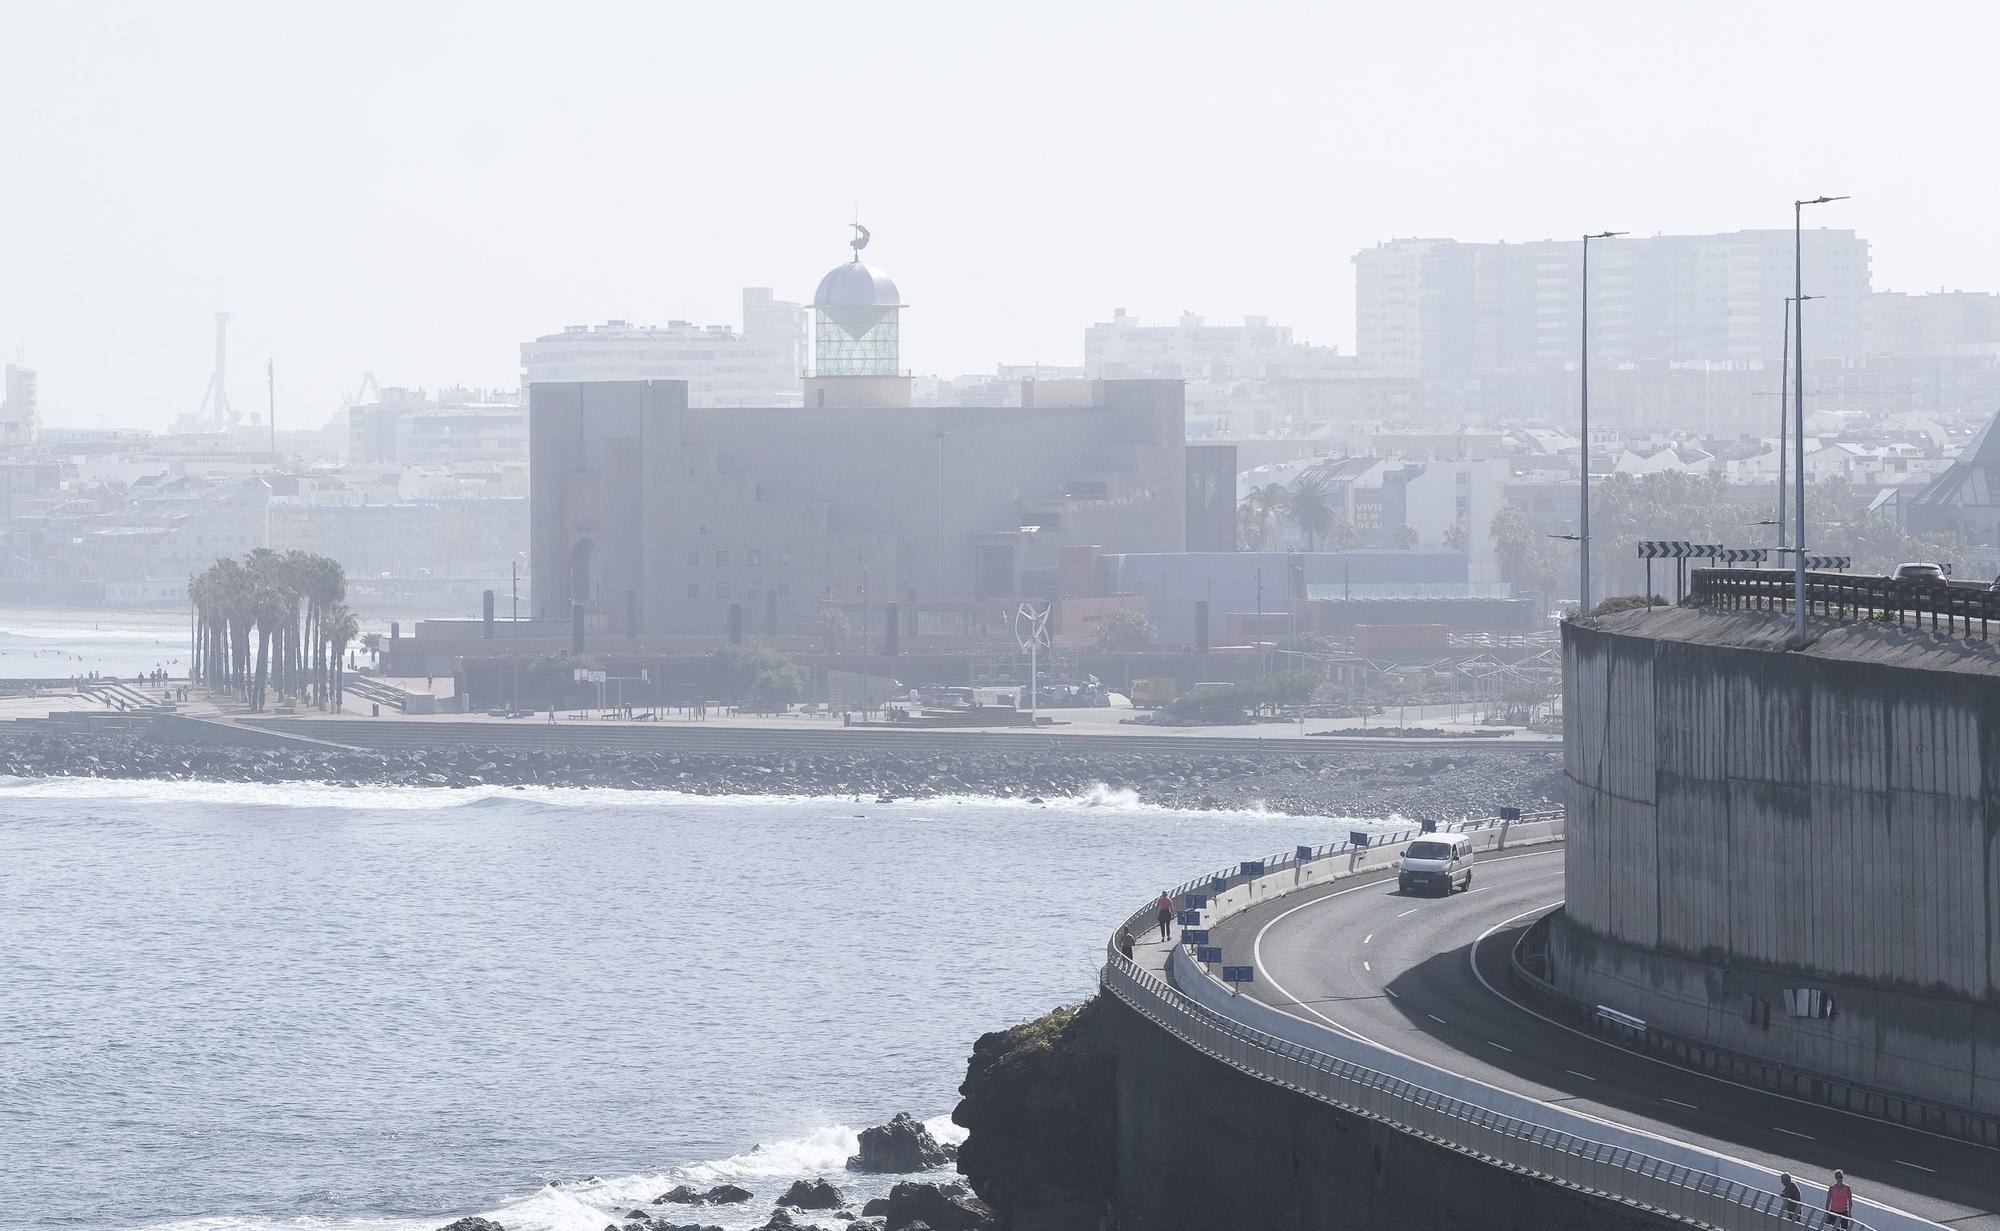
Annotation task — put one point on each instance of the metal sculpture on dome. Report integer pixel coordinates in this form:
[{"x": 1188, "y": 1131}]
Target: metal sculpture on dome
[{"x": 856, "y": 318}]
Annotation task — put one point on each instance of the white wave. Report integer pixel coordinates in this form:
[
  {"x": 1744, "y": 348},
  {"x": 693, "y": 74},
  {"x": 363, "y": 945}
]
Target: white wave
[
  {"x": 164, "y": 634},
  {"x": 947, "y": 1133},
  {"x": 581, "y": 1205},
  {"x": 820, "y": 1152}
]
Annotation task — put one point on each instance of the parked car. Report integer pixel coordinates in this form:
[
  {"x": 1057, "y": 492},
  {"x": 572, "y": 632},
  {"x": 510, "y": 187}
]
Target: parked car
[{"x": 1920, "y": 572}]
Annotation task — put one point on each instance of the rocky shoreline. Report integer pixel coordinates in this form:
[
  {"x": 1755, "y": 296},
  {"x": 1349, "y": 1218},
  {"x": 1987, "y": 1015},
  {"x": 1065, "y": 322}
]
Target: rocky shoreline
[{"x": 1368, "y": 782}]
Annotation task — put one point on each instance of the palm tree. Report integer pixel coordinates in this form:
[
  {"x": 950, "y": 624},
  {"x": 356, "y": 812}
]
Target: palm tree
[
  {"x": 1312, "y": 510},
  {"x": 1265, "y": 503},
  {"x": 338, "y": 628}
]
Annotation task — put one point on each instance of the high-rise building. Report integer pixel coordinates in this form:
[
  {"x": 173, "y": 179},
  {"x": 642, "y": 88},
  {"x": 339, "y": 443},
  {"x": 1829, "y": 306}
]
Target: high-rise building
[
  {"x": 20, "y": 411},
  {"x": 760, "y": 366},
  {"x": 1937, "y": 325},
  {"x": 1192, "y": 349},
  {"x": 1441, "y": 308}
]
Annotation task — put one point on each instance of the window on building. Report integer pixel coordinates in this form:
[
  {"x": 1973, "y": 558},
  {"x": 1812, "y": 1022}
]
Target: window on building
[
  {"x": 756, "y": 558},
  {"x": 756, "y": 592},
  {"x": 784, "y": 557},
  {"x": 694, "y": 558},
  {"x": 784, "y": 589},
  {"x": 721, "y": 557},
  {"x": 722, "y": 589},
  {"x": 694, "y": 589}
]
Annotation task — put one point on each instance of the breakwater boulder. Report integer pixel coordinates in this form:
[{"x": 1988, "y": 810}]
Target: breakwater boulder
[{"x": 1345, "y": 782}]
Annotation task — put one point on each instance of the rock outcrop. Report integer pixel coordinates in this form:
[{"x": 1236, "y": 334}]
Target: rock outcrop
[
  {"x": 900, "y": 1147},
  {"x": 914, "y": 1204},
  {"x": 812, "y": 1195},
  {"x": 721, "y": 1194},
  {"x": 473, "y": 1224},
  {"x": 1040, "y": 1105}
]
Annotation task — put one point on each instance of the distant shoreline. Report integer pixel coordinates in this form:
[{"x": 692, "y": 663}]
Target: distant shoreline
[{"x": 1439, "y": 782}]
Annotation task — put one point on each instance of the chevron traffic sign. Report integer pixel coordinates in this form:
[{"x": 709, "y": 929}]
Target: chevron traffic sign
[
  {"x": 1675, "y": 549},
  {"x": 1828, "y": 562},
  {"x": 1745, "y": 555}
]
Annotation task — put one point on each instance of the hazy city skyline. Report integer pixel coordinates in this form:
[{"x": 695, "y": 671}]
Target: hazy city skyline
[{"x": 416, "y": 193}]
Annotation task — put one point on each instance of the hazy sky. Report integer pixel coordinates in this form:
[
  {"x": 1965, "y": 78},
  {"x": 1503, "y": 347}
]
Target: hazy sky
[{"x": 415, "y": 188}]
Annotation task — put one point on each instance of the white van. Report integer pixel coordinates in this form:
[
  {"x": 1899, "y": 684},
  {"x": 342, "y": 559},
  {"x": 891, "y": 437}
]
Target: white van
[{"x": 1442, "y": 862}]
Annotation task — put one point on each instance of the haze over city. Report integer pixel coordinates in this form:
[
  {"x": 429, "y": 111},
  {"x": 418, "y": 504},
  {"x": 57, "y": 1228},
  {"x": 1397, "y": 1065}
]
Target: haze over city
[
  {"x": 985, "y": 617},
  {"x": 413, "y": 190}
]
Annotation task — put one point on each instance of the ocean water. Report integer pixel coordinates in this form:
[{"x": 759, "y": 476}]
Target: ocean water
[
  {"x": 58, "y": 645},
  {"x": 241, "y": 1008}
]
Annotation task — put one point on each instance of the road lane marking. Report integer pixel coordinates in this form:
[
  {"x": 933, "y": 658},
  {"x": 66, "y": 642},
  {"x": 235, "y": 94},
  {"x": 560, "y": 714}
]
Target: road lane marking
[
  {"x": 1919, "y": 1166},
  {"x": 1365, "y": 966},
  {"x": 1481, "y": 889},
  {"x": 1413, "y": 910},
  {"x": 1257, "y": 952},
  {"x": 1434, "y": 1017},
  {"x": 1368, "y": 938},
  {"x": 1501, "y": 1046},
  {"x": 1676, "y": 1102},
  {"x": 1574, "y": 1073},
  {"x": 1789, "y": 1133}
]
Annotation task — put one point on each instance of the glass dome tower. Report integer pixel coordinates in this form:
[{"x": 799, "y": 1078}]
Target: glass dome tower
[{"x": 857, "y": 357}]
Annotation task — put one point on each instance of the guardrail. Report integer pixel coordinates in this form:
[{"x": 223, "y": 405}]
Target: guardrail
[
  {"x": 1580, "y": 1162},
  {"x": 1850, "y": 597}
]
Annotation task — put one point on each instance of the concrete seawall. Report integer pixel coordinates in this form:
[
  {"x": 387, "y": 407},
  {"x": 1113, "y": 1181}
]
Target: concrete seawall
[
  {"x": 1203, "y": 1144},
  {"x": 1758, "y": 834}
]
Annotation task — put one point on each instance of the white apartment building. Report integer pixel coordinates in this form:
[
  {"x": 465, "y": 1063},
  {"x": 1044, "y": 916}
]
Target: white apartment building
[
  {"x": 1441, "y": 308},
  {"x": 760, "y": 366},
  {"x": 1194, "y": 350},
  {"x": 456, "y": 427},
  {"x": 20, "y": 407}
]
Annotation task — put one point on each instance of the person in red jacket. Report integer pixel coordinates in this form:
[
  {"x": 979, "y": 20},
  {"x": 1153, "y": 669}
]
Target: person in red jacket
[
  {"x": 1839, "y": 1202},
  {"x": 1164, "y": 909}
]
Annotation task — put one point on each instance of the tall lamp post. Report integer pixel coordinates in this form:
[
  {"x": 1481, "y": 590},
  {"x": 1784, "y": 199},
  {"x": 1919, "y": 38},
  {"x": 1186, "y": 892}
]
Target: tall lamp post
[
  {"x": 1799, "y": 412},
  {"x": 1583, "y": 517}
]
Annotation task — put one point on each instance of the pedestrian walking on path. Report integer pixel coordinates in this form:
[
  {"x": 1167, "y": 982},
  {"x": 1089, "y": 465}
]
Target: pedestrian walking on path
[
  {"x": 1125, "y": 942},
  {"x": 1164, "y": 908},
  {"x": 1789, "y": 1190},
  {"x": 1839, "y": 1203}
]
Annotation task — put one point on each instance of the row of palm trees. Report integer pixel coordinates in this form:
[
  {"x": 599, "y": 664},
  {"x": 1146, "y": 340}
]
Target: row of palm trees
[
  {"x": 1307, "y": 504},
  {"x": 291, "y": 602}
]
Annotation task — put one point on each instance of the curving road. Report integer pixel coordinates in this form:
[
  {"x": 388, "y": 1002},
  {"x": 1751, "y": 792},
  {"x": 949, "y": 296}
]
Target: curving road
[{"x": 1426, "y": 977}]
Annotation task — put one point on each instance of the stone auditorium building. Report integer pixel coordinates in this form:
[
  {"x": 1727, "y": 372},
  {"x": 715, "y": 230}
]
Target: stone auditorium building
[{"x": 655, "y": 517}]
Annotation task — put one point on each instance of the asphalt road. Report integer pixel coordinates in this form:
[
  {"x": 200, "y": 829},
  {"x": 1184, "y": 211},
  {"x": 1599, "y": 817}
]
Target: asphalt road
[{"x": 1400, "y": 972}]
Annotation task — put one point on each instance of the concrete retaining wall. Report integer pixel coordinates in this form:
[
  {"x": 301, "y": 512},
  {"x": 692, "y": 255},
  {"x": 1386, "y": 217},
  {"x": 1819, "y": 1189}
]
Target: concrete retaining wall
[
  {"x": 1203, "y": 1144},
  {"x": 1745, "y": 819}
]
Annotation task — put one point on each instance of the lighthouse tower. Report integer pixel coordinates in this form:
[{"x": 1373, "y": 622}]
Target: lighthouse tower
[{"x": 857, "y": 359}]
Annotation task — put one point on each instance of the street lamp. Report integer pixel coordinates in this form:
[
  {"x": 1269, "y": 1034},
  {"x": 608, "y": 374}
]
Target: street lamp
[
  {"x": 1583, "y": 528},
  {"x": 1799, "y": 410}
]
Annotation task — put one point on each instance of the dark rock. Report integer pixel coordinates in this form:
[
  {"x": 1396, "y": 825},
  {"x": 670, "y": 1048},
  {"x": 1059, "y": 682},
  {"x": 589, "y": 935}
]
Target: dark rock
[
  {"x": 1039, "y": 1104},
  {"x": 900, "y": 1147},
  {"x": 782, "y": 1221},
  {"x": 913, "y": 1203},
  {"x": 473, "y": 1224},
  {"x": 875, "y": 1207},
  {"x": 812, "y": 1195},
  {"x": 679, "y": 1194},
  {"x": 639, "y": 1214}
]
